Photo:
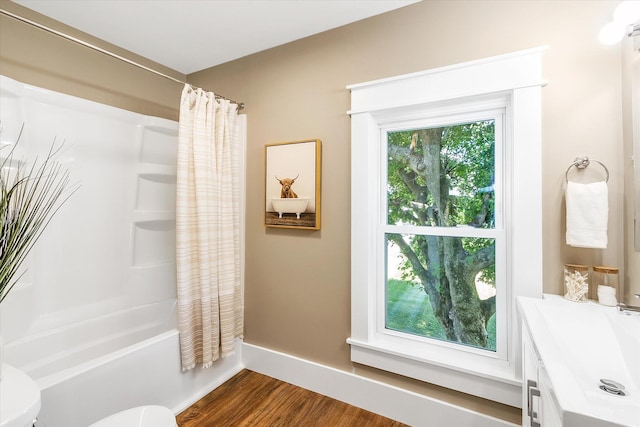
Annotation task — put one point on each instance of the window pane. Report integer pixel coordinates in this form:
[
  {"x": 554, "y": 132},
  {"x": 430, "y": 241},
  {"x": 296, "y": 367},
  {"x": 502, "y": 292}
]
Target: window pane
[
  {"x": 442, "y": 176},
  {"x": 442, "y": 287}
]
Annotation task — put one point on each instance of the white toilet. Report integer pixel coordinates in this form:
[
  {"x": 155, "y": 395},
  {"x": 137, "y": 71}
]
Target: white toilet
[{"x": 142, "y": 416}]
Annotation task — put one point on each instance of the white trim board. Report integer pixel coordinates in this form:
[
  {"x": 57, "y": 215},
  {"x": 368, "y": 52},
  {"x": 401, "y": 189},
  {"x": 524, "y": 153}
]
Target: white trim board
[
  {"x": 374, "y": 396},
  {"x": 502, "y": 73},
  {"x": 509, "y": 84}
]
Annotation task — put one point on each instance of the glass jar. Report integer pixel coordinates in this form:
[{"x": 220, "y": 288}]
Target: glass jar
[
  {"x": 604, "y": 285},
  {"x": 576, "y": 282}
]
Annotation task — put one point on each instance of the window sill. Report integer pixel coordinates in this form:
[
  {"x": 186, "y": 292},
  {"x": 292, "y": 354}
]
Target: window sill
[{"x": 493, "y": 381}]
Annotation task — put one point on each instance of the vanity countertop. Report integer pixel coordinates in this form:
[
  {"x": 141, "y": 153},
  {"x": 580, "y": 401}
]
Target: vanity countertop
[{"x": 580, "y": 344}]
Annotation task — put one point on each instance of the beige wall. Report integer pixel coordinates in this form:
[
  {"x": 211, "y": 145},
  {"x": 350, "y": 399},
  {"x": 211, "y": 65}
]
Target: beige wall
[
  {"x": 37, "y": 57},
  {"x": 297, "y": 282}
]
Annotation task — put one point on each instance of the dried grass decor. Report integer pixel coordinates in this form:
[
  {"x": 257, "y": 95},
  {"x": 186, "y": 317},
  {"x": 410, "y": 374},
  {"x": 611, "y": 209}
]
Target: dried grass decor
[{"x": 31, "y": 196}]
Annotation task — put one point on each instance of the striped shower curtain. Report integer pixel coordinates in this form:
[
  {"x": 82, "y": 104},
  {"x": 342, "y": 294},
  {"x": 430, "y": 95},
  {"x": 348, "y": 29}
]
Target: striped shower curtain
[{"x": 208, "y": 198}]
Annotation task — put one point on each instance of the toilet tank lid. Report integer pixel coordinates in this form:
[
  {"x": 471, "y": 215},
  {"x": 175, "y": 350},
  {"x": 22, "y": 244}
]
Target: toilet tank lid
[{"x": 141, "y": 416}]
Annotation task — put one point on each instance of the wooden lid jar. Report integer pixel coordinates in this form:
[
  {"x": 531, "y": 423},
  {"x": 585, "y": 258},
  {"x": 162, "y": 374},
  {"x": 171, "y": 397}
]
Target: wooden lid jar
[
  {"x": 604, "y": 286},
  {"x": 576, "y": 282}
]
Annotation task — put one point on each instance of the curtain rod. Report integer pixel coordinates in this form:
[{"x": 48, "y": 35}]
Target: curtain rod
[{"x": 104, "y": 51}]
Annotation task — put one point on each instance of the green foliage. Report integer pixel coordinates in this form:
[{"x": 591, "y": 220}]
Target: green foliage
[
  {"x": 467, "y": 163},
  {"x": 468, "y": 159},
  {"x": 399, "y": 197},
  {"x": 408, "y": 310}
]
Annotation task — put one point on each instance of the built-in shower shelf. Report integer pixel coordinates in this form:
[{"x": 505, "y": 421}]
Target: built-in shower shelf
[
  {"x": 154, "y": 272},
  {"x": 159, "y": 178},
  {"x": 154, "y": 239},
  {"x": 161, "y": 126},
  {"x": 163, "y": 174},
  {"x": 158, "y": 221},
  {"x": 166, "y": 266},
  {"x": 158, "y": 143}
]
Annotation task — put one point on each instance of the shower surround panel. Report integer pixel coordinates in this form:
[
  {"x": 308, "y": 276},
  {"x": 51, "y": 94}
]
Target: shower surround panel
[
  {"x": 112, "y": 244},
  {"x": 97, "y": 300}
]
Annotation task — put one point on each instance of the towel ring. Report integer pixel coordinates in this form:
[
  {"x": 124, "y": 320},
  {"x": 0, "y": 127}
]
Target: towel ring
[{"x": 581, "y": 162}]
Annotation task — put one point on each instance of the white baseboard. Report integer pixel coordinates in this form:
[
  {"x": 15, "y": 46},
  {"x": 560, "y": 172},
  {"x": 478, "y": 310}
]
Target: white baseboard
[
  {"x": 198, "y": 382},
  {"x": 374, "y": 396}
]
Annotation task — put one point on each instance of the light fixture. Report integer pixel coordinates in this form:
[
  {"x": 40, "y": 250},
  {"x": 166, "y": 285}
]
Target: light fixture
[{"x": 626, "y": 22}]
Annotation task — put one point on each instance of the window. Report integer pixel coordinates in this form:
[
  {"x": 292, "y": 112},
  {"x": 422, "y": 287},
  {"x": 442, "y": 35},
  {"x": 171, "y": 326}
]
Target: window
[
  {"x": 446, "y": 226},
  {"x": 440, "y": 234}
]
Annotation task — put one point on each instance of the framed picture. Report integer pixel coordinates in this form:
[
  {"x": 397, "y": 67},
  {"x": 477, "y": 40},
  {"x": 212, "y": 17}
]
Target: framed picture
[{"x": 292, "y": 184}]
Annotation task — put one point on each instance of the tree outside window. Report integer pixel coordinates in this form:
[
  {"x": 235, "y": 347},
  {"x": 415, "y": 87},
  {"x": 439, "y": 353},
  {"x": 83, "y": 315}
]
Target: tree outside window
[{"x": 438, "y": 285}]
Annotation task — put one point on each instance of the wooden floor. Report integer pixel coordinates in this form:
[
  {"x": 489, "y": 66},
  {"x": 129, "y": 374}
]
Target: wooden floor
[{"x": 252, "y": 399}]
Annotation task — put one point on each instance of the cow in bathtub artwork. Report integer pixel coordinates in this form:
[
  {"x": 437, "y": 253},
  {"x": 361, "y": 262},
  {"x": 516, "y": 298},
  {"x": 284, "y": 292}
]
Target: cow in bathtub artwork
[
  {"x": 292, "y": 185},
  {"x": 289, "y": 202}
]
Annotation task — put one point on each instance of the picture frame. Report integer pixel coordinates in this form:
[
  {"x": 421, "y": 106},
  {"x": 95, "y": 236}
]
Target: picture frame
[{"x": 292, "y": 184}]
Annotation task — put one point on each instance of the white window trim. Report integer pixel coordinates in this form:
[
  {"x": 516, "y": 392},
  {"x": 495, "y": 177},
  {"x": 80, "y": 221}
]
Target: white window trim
[{"x": 517, "y": 78}]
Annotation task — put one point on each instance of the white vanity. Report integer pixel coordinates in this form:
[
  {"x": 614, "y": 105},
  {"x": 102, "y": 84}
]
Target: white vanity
[{"x": 581, "y": 364}]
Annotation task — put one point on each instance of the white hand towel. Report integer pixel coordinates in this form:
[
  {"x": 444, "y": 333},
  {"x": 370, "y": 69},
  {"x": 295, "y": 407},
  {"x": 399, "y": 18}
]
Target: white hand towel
[{"x": 587, "y": 214}]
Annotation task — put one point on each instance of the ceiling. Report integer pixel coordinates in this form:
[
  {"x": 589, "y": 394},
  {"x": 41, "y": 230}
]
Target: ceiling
[{"x": 191, "y": 35}]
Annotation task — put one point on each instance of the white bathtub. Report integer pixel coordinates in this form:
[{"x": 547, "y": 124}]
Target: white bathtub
[
  {"x": 50, "y": 357},
  {"x": 293, "y": 205},
  {"x": 97, "y": 367}
]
